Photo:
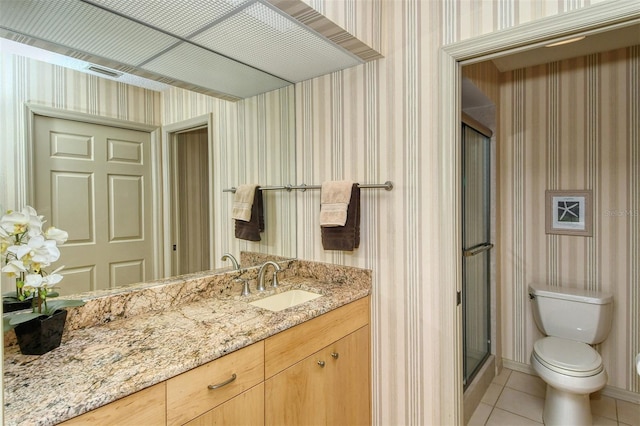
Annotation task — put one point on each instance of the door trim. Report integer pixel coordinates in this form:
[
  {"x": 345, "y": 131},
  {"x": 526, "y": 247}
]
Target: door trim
[
  {"x": 596, "y": 18},
  {"x": 168, "y": 132},
  {"x": 32, "y": 109}
]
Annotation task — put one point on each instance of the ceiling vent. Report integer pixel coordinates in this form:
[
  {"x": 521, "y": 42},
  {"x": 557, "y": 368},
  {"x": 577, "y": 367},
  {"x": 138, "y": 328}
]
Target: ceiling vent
[{"x": 104, "y": 71}]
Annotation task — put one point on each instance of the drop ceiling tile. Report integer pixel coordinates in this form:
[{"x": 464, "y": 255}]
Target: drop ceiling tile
[
  {"x": 84, "y": 28},
  {"x": 198, "y": 66},
  {"x": 178, "y": 17},
  {"x": 265, "y": 39}
]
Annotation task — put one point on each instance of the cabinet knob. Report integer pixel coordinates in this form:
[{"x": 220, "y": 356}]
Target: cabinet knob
[
  {"x": 335, "y": 355},
  {"x": 321, "y": 363},
  {"x": 226, "y": 382}
]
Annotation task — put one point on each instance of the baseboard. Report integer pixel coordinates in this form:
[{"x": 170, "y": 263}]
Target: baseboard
[
  {"x": 621, "y": 394},
  {"x": 518, "y": 366},
  {"x": 610, "y": 391}
]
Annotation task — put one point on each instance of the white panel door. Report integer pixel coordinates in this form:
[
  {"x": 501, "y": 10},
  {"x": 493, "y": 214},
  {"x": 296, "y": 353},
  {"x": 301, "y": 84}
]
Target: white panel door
[{"x": 94, "y": 181}]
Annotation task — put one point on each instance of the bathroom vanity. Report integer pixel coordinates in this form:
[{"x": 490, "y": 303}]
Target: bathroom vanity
[{"x": 214, "y": 360}]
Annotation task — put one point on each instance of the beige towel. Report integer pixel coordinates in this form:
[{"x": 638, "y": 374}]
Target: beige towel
[
  {"x": 334, "y": 202},
  {"x": 243, "y": 201}
]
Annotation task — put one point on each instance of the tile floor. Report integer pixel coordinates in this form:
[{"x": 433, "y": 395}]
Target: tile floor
[{"x": 515, "y": 398}]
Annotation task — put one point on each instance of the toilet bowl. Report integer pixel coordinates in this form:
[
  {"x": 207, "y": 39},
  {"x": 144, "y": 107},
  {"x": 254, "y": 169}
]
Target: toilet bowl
[
  {"x": 572, "y": 370},
  {"x": 571, "y": 319}
]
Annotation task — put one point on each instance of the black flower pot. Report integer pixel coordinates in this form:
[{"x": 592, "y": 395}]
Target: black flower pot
[
  {"x": 42, "y": 334},
  {"x": 12, "y": 305}
]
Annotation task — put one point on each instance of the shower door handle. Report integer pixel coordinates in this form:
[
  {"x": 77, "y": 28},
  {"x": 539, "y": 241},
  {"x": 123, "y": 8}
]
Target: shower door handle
[{"x": 477, "y": 249}]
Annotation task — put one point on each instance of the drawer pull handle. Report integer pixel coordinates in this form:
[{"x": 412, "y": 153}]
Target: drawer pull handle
[
  {"x": 321, "y": 364},
  {"x": 226, "y": 382},
  {"x": 335, "y": 355}
]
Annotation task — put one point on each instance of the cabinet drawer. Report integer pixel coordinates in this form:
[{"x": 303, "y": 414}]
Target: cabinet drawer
[
  {"x": 188, "y": 395},
  {"x": 245, "y": 409},
  {"x": 145, "y": 407},
  {"x": 290, "y": 346}
]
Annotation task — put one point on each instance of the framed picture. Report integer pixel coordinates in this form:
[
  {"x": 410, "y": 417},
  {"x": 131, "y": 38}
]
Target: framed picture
[{"x": 569, "y": 213}]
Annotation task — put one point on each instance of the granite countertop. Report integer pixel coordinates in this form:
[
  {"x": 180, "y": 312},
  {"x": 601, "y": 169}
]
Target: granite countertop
[{"x": 99, "y": 364}]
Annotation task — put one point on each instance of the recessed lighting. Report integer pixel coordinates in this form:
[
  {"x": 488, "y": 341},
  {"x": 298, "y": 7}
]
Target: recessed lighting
[{"x": 570, "y": 40}]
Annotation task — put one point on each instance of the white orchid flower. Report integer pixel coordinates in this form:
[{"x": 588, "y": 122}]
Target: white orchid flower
[
  {"x": 5, "y": 241},
  {"x": 26, "y": 220},
  {"x": 43, "y": 251},
  {"x": 25, "y": 250},
  {"x": 35, "y": 222},
  {"x": 14, "y": 222},
  {"x": 19, "y": 251},
  {"x": 52, "y": 279},
  {"x": 58, "y": 235},
  {"x": 33, "y": 281},
  {"x": 39, "y": 250},
  {"x": 14, "y": 267},
  {"x": 37, "y": 280}
]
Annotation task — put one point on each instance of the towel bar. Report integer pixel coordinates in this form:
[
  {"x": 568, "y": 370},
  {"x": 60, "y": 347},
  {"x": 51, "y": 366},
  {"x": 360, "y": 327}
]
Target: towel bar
[{"x": 388, "y": 185}]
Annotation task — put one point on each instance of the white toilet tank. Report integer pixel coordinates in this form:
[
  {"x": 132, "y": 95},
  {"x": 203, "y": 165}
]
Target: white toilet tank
[{"x": 569, "y": 313}]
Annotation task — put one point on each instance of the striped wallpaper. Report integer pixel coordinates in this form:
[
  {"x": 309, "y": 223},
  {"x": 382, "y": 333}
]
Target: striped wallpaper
[
  {"x": 388, "y": 128},
  {"x": 573, "y": 124},
  {"x": 253, "y": 142}
]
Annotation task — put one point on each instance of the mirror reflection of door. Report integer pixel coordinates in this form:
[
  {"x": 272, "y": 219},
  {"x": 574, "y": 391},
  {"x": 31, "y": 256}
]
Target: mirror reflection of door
[
  {"x": 94, "y": 181},
  {"x": 190, "y": 202}
]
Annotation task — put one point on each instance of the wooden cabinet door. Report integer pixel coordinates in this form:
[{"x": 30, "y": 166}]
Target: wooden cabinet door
[
  {"x": 349, "y": 387},
  {"x": 297, "y": 395},
  {"x": 245, "y": 409},
  {"x": 330, "y": 387}
]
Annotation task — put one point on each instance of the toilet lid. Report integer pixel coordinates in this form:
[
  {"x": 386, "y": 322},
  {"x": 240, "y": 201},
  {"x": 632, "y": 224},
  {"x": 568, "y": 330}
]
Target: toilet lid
[{"x": 567, "y": 356}]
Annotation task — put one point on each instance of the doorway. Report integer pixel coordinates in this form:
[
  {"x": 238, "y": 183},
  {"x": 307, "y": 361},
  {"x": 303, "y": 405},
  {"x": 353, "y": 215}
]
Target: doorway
[
  {"x": 597, "y": 18},
  {"x": 191, "y": 230}
]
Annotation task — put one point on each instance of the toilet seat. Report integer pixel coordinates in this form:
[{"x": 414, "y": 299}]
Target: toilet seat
[{"x": 568, "y": 357}]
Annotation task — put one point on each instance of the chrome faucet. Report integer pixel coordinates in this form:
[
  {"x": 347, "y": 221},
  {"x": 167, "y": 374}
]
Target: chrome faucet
[
  {"x": 274, "y": 283},
  {"x": 229, "y": 256}
]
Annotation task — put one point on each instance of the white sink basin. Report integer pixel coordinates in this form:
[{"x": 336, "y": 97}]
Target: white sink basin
[{"x": 281, "y": 301}]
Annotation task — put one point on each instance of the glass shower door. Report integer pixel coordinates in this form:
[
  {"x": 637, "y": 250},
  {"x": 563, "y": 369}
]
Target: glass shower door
[{"x": 476, "y": 247}]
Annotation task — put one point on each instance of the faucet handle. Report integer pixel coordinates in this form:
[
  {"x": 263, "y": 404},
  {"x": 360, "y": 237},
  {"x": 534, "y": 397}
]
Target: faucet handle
[
  {"x": 274, "y": 281},
  {"x": 245, "y": 286}
]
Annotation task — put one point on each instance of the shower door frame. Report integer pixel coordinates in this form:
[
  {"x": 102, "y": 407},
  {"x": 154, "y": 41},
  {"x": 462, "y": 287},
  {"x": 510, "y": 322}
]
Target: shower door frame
[{"x": 483, "y": 248}]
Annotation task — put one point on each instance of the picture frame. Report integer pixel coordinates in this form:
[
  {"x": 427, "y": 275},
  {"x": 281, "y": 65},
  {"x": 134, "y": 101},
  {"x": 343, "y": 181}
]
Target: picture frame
[{"x": 569, "y": 212}]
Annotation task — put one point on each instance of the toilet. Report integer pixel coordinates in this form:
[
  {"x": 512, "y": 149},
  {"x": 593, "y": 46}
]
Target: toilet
[{"x": 571, "y": 319}]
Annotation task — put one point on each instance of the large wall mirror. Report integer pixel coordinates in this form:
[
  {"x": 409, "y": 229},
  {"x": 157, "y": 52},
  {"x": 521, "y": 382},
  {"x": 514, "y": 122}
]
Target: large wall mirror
[
  {"x": 210, "y": 89},
  {"x": 250, "y": 141}
]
